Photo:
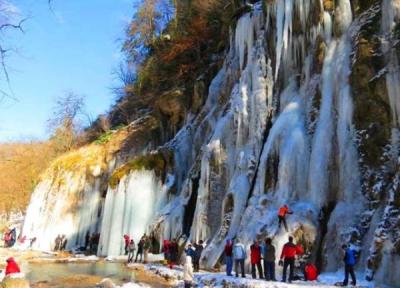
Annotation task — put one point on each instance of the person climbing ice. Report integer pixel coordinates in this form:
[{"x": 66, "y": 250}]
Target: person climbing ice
[{"x": 282, "y": 216}]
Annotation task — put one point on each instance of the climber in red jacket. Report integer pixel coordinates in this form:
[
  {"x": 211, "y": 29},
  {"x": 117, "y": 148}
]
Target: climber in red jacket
[
  {"x": 310, "y": 272},
  {"x": 282, "y": 216},
  {"x": 12, "y": 266}
]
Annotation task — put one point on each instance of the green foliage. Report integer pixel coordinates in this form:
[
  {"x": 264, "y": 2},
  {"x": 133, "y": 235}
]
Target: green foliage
[
  {"x": 104, "y": 138},
  {"x": 107, "y": 136}
]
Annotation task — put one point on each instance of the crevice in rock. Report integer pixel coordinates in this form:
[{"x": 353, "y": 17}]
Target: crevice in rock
[
  {"x": 324, "y": 217},
  {"x": 191, "y": 207}
]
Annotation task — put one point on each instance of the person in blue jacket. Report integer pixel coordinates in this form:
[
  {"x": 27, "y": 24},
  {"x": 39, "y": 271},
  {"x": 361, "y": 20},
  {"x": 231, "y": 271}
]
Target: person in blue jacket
[
  {"x": 349, "y": 262},
  {"x": 190, "y": 251}
]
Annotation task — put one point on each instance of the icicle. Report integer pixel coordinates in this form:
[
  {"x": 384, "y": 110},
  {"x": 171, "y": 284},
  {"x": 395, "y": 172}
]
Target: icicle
[
  {"x": 129, "y": 209},
  {"x": 322, "y": 142},
  {"x": 343, "y": 15},
  {"x": 391, "y": 15},
  {"x": 327, "y": 27}
]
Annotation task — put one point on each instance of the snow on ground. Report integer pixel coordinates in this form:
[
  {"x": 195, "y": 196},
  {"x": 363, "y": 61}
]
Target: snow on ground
[
  {"x": 123, "y": 258},
  {"x": 106, "y": 282},
  {"x": 207, "y": 279}
]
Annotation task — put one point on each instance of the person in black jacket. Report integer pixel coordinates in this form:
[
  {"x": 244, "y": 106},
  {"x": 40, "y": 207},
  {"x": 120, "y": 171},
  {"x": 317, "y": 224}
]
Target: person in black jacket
[
  {"x": 269, "y": 260},
  {"x": 197, "y": 255},
  {"x": 140, "y": 250}
]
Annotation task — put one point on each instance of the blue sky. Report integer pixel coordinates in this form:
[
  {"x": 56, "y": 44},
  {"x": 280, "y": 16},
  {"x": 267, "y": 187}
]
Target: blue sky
[{"x": 75, "y": 48}]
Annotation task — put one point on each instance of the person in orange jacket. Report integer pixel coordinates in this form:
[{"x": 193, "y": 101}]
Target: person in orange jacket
[
  {"x": 288, "y": 255},
  {"x": 310, "y": 272},
  {"x": 12, "y": 266},
  {"x": 282, "y": 216}
]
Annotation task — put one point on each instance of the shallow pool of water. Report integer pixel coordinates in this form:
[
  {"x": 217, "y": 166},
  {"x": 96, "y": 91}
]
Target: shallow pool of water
[{"x": 80, "y": 275}]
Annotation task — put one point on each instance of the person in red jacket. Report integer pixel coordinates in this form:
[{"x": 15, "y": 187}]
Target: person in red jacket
[
  {"x": 127, "y": 240},
  {"x": 255, "y": 259},
  {"x": 310, "y": 272},
  {"x": 282, "y": 216},
  {"x": 228, "y": 251},
  {"x": 12, "y": 266},
  {"x": 288, "y": 256}
]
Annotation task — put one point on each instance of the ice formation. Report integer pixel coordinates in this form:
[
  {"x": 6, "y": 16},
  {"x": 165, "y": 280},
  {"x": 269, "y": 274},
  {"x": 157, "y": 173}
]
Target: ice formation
[{"x": 277, "y": 127}]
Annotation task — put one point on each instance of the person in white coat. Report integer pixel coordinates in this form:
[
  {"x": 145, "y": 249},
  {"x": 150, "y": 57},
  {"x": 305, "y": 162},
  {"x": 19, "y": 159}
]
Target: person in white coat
[
  {"x": 188, "y": 277},
  {"x": 239, "y": 255}
]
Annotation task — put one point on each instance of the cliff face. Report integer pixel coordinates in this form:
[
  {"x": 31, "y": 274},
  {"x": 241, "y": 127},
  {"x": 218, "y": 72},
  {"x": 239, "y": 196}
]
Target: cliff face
[{"x": 304, "y": 111}]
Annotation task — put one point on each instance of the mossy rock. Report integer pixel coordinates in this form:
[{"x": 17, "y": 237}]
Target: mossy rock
[
  {"x": 173, "y": 104},
  {"x": 371, "y": 103},
  {"x": 154, "y": 161},
  {"x": 14, "y": 283}
]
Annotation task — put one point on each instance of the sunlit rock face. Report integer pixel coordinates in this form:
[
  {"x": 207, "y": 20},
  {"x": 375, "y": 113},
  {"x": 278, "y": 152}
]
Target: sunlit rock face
[{"x": 304, "y": 111}]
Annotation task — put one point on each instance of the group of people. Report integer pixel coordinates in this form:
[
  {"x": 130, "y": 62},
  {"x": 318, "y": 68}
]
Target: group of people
[
  {"x": 262, "y": 254},
  {"x": 60, "y": 243},
  {"x": 143, "y": 248},
  {"x": 263, "y": 258}
]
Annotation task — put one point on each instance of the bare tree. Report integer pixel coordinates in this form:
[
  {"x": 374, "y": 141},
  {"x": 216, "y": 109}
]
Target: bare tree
[
  {"x": 10, "y": 19},
  {"x": 66, "y": 122}
]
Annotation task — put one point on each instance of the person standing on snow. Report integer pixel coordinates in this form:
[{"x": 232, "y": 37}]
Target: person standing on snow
[
  {"x": 255, "y": 260},
  {"x": 188, "y": 276},
  {"x": 190, "y": 251},
  {"x": 131, "y": 251},
  {"x": 288, "y": 255},
  {"x": 57, "y": 243},
  {"x": 173, "y": 248},
  {"x": 197, "y": 255},
  {"x": 239, "y": 255},
  {"x": 140, "y": 251},
  {"x": 269, "y": 260},
  {"x": 127, "y": 241},
  {"x": 349, "y": 262},
  {"x": 165, "y": 250},
  {"x": 228, "y": 257},
  {"x": 282, "y": 216},
  {"x": 12, "y": 267}
]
